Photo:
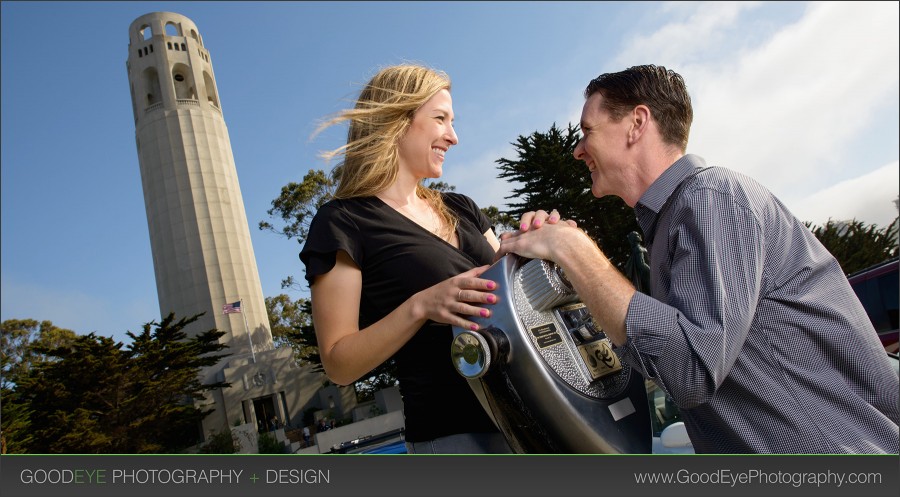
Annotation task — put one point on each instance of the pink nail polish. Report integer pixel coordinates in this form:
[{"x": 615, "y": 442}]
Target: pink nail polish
[
  {"x": 474, "y": 327},
  {"x": 491, "y": 285},
  {"x": 484, "y": 313},
  {"x": 491, "y": 299},
  {"x": 537, "y": 224}
]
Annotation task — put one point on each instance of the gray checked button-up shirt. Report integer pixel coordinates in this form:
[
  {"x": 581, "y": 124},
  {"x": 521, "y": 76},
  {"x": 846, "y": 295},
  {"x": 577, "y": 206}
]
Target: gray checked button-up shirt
[{"x": 751, "y": 327}]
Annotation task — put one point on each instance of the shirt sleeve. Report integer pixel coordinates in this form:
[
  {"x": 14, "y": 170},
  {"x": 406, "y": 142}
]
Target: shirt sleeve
[
  {"x": 689, "y": 343},
  {"x": 330, "y": 230},
  {"x": 468, "y": 209}
]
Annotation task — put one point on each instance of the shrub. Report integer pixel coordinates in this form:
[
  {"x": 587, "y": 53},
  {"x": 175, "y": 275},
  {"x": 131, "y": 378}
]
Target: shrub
[
  {"x": 223, "y": 442},
  {"x": 267, "y": 444}
]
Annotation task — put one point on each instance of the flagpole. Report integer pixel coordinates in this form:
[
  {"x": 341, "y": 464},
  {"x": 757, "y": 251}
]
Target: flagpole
[{"x": 247, "y": 329}]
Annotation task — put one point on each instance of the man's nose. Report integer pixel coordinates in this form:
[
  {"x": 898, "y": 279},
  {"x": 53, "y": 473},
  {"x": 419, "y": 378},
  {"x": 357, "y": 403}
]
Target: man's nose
[{"x": 579, "y": 150}]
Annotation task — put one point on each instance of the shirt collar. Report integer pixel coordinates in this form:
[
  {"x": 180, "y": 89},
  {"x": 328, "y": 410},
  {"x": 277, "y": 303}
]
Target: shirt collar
[{"x": 652, "y": 201}]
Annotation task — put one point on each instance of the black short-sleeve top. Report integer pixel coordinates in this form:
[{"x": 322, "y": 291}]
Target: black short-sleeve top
[{"x": 399, "y": 258}]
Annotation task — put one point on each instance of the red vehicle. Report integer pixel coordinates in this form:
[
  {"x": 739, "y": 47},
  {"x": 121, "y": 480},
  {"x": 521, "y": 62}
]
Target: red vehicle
[{"x": 877, "y": 289}]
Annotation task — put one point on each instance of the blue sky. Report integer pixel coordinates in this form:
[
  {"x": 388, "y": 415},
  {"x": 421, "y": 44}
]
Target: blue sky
[{"x": 801, "y": 96}]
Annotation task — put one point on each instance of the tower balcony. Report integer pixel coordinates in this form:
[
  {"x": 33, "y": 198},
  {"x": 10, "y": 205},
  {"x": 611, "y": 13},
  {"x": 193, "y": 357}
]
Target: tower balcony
[{"x": 181, "y": 102}]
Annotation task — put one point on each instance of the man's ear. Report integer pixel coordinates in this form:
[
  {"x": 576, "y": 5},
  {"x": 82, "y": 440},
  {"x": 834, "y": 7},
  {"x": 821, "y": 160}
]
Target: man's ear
[{"x": 640, "y": 123}]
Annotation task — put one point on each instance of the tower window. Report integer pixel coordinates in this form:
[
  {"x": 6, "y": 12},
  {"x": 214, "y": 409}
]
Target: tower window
[
  {"x": 184, "y": 85},
  {"x": 210, "y": 87},
  {"x": 171, "y": 29},
  {"x": 183, "y": 49},
  {"x": 151, "y": 86},
  {"x": 140, "y": 53},
  {"x": 170, "y": 45}
]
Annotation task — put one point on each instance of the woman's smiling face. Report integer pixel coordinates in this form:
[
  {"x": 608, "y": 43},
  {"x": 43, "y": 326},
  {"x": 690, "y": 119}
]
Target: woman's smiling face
[{"x": 430, "y": 135}]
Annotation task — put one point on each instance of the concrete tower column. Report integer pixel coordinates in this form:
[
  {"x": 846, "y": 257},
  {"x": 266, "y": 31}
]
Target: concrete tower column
[
  {"x": 200, "y": 238},
  {"x": 199, "y": 234}
]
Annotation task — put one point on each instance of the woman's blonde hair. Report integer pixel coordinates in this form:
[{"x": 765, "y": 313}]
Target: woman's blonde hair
[{"x": 381, "y": 117}]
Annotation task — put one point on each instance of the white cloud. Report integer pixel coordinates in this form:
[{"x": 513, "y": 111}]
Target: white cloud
[
  {"x": 869, "y": 198},
  {"x": 800, "y": 110},
  {"x": 786, "y": 112},
  {"x": 800, "y": 101},
  {"x": 697, "y": 28}
]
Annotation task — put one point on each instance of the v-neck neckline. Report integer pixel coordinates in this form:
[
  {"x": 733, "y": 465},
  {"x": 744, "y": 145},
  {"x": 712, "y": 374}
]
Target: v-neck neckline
[{"x": 419, "y": 226}]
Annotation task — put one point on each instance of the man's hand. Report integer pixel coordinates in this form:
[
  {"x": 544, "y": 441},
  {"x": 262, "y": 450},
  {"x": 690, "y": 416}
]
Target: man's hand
[
  {"x": 598, "y": 283},
  {"x": 549, "y": 242},
  {"x": 529, "y": 242}
]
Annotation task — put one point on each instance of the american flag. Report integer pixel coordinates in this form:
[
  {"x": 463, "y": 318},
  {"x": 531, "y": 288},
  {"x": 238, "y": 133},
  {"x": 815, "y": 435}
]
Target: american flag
[{"x": 232, "y": 307}]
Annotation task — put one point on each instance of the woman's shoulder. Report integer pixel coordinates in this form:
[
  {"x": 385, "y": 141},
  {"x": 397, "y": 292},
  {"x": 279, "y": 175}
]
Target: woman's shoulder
[
  {"x": 338, "y": 204},
  {"x": 459, "y": 200},
  {"x": 343, "y": 214},
  {"x": 355, "y": 206},
  {"x": 467, "y": 209},
  {"x": 337, "y": 225}
]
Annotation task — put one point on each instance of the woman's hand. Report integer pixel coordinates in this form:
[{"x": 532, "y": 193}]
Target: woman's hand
[
  {"x": 536, "y": 219},
  {"x": 452, "y": 300},
  {"x": 511, "y": 241}
]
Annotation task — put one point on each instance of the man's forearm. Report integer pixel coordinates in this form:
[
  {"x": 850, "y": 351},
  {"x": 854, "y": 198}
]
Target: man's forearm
[{"x": 602, "y": 288}]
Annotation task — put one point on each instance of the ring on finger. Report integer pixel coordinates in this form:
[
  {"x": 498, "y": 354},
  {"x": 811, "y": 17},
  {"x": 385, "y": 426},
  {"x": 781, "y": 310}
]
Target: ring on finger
[{"x": 459, "y": 295}]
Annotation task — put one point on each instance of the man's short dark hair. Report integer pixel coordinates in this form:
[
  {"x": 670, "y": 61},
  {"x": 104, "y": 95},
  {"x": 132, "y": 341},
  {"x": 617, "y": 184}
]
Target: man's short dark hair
[{"x": 662, "y": 90}]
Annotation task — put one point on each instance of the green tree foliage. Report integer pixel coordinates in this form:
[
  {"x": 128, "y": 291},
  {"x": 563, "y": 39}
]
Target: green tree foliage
[
  {"x": 441, "y": 186},
  {"x": 221, "y": 442},
  {"x": 379, "y": 379},
  {"x": 292, "y": 326},
  {"x": 548, "y": 176},
  {"x": 169, "y": 393},
  {"x": 94, "y": 396},
  {"x": 77, "y": 399},
  {"x": 268, "y": 444},
  {"x": 19, "y": 343},
  {"x": 297, "y": 203},
  {"x": 501, "y": 221},
  {"x": 856, "y": 245},
  {"x": 15, "y": 434}
]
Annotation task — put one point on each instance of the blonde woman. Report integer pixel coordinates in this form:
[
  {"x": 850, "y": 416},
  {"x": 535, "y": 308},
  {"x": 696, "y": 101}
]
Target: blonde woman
[{"x": 392, "y": 264}]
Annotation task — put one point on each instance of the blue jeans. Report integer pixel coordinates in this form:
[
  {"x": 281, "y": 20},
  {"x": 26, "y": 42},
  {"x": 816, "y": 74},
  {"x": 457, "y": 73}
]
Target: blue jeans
[{"x": 462, "y": 443}]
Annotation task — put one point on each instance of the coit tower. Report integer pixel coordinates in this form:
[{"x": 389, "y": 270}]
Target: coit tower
[
  {"x": 200, "y": 238},
  {"x": 199, "y": 235}
]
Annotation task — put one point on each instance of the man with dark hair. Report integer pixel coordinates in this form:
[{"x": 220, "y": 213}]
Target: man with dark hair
[{"x": 750, "y": 325}]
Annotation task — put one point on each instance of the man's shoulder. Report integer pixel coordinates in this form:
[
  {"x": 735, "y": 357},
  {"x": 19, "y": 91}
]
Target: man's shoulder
[{"x": 726, "y": 181}]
